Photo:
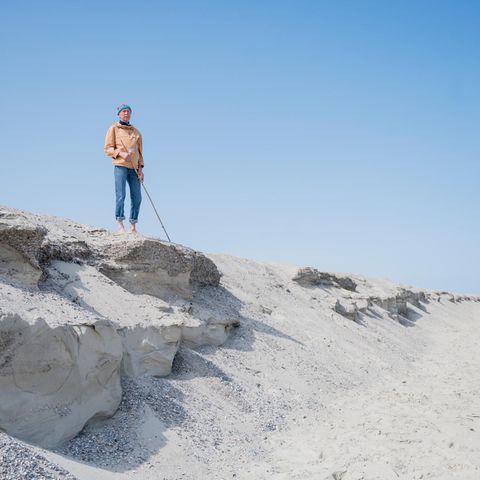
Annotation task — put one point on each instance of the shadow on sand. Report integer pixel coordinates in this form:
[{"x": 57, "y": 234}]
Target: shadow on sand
[{"x": 150, "y": 406}]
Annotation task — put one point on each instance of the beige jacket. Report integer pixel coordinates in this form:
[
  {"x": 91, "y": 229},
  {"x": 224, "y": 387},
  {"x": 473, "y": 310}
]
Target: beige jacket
[{"x": 121, "y": 138}]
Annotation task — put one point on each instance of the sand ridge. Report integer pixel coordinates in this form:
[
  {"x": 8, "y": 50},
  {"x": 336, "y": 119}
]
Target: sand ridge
[{"x": 273, "y": 371}]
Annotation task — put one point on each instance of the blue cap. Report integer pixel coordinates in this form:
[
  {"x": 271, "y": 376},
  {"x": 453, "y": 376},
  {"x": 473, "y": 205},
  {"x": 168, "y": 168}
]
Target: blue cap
[{"x": 123, "y": 107}]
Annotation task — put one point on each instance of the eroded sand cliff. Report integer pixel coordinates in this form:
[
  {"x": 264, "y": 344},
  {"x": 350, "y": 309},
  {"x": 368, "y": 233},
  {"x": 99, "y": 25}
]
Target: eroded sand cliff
[{"x": 133, "y": 343}]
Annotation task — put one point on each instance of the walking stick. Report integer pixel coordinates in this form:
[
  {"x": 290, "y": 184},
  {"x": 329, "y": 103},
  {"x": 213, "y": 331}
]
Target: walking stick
[
  {"x": 130, "y": 150},
  {"x": 151, "y": 201}
]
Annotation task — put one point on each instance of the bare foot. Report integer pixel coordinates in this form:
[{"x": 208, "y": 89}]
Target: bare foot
[
  {"x": 121, "y": 228},
  {"x": 133, "y": 229}
]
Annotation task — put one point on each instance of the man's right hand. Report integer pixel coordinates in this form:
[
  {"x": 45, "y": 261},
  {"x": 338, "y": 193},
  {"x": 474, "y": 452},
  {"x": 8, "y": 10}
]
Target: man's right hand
[{"x": 124, "y": 155}]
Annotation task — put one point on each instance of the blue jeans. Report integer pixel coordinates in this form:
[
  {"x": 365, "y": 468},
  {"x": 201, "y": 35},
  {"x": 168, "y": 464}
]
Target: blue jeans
[{"x": 122, "y": 176}]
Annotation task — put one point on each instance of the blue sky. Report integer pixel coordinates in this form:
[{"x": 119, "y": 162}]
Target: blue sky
[{"x": 342, "y": 135}]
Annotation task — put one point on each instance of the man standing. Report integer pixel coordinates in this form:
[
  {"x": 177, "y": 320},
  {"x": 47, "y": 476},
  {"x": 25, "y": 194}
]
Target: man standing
[{"x": 123, "y": 143}]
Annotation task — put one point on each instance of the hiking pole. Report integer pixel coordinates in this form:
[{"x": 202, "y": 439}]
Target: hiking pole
[
  {"x": 131, "y": 150},
  {"x": 153, "y": 205},
  {"x": 148, "y": 195}
]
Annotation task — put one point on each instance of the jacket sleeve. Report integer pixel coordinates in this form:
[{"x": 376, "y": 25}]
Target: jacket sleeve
[
  {"x": 110, "y": 143},
  {"x": 140, "y": 150}
]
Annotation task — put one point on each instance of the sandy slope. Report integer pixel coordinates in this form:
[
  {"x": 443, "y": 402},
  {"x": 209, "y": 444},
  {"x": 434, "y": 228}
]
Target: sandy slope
[
  {"x": 301, "y": 392},
  {"x": 420, "y": 421}
]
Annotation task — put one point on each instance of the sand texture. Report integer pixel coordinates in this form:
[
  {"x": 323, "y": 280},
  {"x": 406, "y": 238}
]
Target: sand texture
[{"x": 131, "y": 358}]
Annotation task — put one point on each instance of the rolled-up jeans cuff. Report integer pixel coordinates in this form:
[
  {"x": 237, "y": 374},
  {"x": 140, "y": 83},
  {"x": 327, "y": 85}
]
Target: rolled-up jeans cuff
[
  {"x": 133, "y": 221},
  {"x": 120, "y": 219}
]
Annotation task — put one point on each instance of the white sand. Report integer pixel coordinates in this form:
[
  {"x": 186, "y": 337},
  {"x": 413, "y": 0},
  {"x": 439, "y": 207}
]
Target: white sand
[{"x": 300, "y": 392}]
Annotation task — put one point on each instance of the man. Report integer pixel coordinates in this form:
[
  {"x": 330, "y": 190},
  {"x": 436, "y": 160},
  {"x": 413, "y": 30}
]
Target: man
[{"x": 123, "y": 143}]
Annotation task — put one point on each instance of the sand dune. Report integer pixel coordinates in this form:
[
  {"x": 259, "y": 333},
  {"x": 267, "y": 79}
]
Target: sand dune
[{"x": 225, "y": 367}]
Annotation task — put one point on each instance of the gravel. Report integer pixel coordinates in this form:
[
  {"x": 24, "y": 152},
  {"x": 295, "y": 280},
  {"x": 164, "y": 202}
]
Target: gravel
[
  {"x": 114, "y": 443},
  {"x": 19, "y": 461},
  {"x": 208, "y": 417}
]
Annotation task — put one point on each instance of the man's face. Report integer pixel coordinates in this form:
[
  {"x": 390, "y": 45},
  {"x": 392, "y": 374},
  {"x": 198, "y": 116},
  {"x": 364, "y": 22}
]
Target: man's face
[{"x": 125, "y": 115}]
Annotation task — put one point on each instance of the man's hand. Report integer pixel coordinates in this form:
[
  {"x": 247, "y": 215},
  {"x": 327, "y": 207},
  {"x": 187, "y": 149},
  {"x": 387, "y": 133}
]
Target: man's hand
[
  {"x": 140, "y": 174},
  {"x": 124, "y": 155}
]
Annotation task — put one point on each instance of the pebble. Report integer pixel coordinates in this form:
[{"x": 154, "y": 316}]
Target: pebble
[{"x": 20, "y": 462}]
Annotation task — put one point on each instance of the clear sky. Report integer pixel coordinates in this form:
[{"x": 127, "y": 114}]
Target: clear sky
[{"x": 342, "y": 135}]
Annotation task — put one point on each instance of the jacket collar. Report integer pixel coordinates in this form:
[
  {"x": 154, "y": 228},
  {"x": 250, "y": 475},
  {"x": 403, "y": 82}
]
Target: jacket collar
[{"x": 124, "y": 125}]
